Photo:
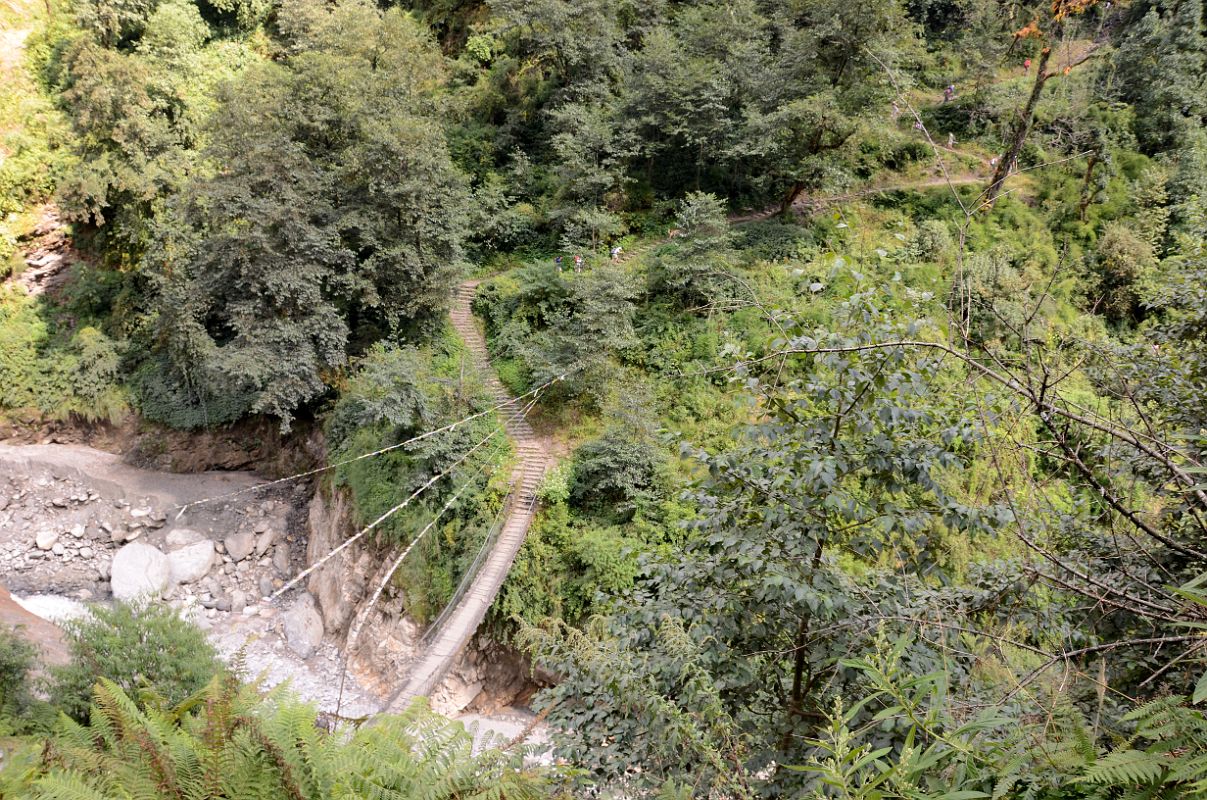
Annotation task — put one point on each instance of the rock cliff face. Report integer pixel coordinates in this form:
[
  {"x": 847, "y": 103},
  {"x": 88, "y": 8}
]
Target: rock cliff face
[{"x": 486, "y": 677}]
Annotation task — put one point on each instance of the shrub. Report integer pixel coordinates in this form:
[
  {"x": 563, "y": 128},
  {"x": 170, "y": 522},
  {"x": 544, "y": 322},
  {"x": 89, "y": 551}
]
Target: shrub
[
  {"x": 932, "y": 240},
  {"x": 36, "y": 372},
  {"x": 555, "y": 488},
  {"x": 16, "y": 664},
  {"x": 137, "y": 647},
  {"x": 1123, "y": 260},
  {"x": 616, "y": 472},
  {"x": 385, "y": 389},
  {"x": 774, "y": 241}
]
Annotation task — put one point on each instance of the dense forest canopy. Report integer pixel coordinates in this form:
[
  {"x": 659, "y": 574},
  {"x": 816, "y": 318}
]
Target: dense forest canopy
[{"x": 882, "y": 382}]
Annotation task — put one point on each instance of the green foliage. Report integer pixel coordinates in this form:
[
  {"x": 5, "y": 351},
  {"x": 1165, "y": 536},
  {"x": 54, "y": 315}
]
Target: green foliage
[
  {"x": 79, "y": 376},
  {"x": 1124, "y": 260},
  {"x": 335, "y": 216},
  {"x": 617, "y": 473},
  {"x": 575, "y": 325},
  {"x": 226, "y": 741},
  {"x": 115, "y": 22},
  {"x": 16, "y": 665},
  {"x": 694, "y": 272},
  {"x": 932, "y": 240},
  {"x": 850, "y": 459},
  {"x": 137, "y": 648},
  {"x": 395, "y": 394}
]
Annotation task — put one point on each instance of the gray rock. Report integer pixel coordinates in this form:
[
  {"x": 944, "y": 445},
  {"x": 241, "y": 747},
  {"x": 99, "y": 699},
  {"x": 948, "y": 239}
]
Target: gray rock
[
  {"x": 85, "y": 552},
  {"x": 261, "y": 526},
  {"x": 240, "y": 545},
  {"x": 192, "y": 562},
  {"x": 280, "y": 560},
  {"x": 3, "y": 502},
  {"x": 182, "y": 537},
  {"x": 58, "y": 549},
  {"x": 264, "y": 541},
  {"x": 238, "y": 601},
  {"x": 139, "y": 570},
  {"x": 303, "y": 626},
  {"x": 46, "y": 539},
  {"x": 266, "y": 587}
]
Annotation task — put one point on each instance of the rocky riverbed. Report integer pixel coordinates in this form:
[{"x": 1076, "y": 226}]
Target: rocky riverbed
[{"x": 78, "y": 525}]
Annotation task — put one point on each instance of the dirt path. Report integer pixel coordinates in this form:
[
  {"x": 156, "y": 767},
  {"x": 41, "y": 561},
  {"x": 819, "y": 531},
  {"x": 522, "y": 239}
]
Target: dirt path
[
  {"x": 428, "y": 670},
  {"x": 807, "y": 203}
]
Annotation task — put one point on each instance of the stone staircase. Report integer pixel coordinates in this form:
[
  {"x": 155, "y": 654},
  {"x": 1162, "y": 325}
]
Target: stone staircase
[{"x": 429, "y": 669}]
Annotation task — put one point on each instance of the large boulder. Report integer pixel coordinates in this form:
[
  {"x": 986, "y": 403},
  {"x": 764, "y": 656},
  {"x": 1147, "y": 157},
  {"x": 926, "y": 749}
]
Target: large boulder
[
  {"x": 183, "y": 537},
  {"x": 139, "y": 570},
  {"x": 239, "y": 545},
  {"x": 192, "y": 562},
  {"x": 303, "y": 626}
]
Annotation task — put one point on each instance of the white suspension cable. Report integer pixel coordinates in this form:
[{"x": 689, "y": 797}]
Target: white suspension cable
[
  {"x": 451, "y": 426},
  {"x": 356, "y": 537},
  {"x": 354, "y": 635}
]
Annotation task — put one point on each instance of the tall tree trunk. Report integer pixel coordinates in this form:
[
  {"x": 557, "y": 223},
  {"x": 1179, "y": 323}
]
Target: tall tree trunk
[
  {"x": 790, "y": 197},
  {"x": 1021, "y": 128}
]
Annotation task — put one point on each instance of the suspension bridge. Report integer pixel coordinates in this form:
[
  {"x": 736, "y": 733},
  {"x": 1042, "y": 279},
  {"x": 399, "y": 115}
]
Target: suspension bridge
[{"x": 466, "y": 612}]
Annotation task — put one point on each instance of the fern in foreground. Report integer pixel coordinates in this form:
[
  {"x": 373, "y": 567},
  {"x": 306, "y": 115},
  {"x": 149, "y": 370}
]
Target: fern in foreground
[{"x": 229, "y": 742}]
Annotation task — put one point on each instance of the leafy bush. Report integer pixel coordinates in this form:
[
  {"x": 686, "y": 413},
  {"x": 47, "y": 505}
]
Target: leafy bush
[
  {"x": 80, "y": 376},
  {"x": 616, "y": 472},
  {"x": 774, "y": 241},
  {"x": 560, "y": 323},
  {"x": 136, "y": 647},
  {"x": 932, "y": 240},
  {"x": 16, "y": 664},
  {"x": 1123, "y": 260},
  {"x": 394, "y": 394},
  {"x": 384, "y": 389}
]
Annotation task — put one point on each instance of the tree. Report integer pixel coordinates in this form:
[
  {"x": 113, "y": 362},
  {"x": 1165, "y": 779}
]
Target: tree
[
  {"x": 1060, "y": 13},
  {"x": 17, "y": 660},
  {"x": 695, "y": 271},
  {"x": 1160, "y": 51},
  {"x": 755, "y": 607},
  {"x": 115, "y": 22},
  {"x": 134, "y": 142},
  {"x": 334, "y": 217}
]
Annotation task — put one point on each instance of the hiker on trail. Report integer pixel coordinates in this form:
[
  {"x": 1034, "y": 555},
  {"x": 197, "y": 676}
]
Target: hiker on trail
[
  {"x": 616, "y": 254},
  {"x": 578, "y": 263},
  {"x": 896, "y": 114},
  {"x": 1027, "y": 66},
  {"x": 558, "y": 261},
  {"x": 918, "y": 125},
  {"x": 951, "y": 141},
  {"x": 993, "y": 162},
  {"x": 949, "y": 93}
]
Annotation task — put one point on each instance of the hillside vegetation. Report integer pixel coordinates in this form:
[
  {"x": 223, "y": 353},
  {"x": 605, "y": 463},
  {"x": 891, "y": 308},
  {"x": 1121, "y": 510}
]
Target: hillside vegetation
[{"x": 878, "y": 391}]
